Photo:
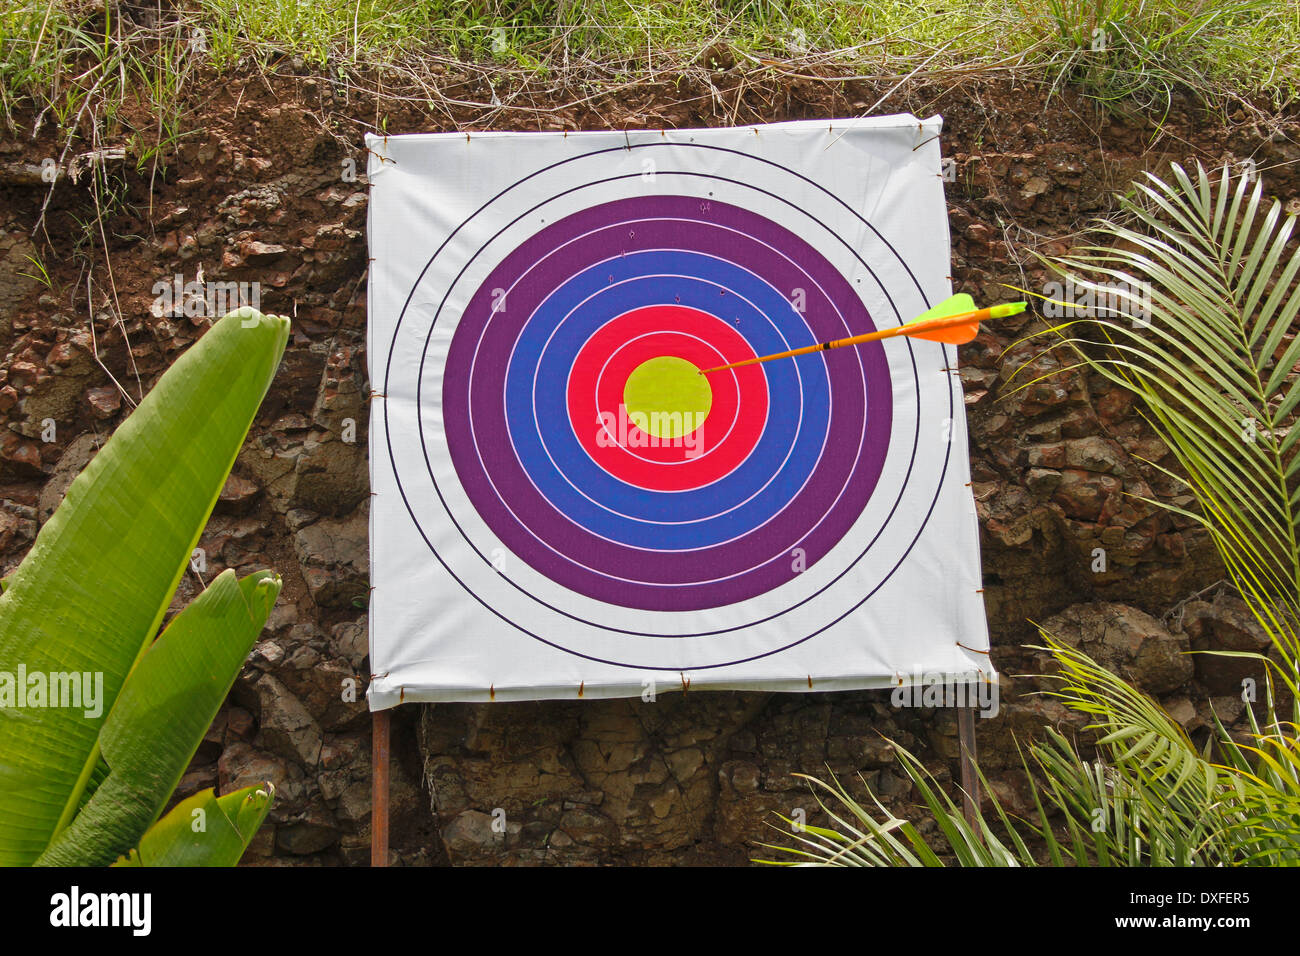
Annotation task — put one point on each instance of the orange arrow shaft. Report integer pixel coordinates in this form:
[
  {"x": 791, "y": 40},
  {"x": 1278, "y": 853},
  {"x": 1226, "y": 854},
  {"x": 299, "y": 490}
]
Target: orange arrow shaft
[{"x": 913, "y": 328}]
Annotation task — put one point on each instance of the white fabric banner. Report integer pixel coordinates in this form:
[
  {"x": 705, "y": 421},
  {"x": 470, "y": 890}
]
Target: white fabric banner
[{"x": 569, "y": 503}]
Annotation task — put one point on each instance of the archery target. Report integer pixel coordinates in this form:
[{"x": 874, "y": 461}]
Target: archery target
[{"x": 563, "y": 475}]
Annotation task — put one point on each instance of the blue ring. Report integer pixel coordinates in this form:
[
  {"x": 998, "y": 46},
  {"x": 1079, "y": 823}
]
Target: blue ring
[
  {"x": 681, "y": 506},
  {"x": 644, "y": 514},
  {"x": 677, "y": 507}
]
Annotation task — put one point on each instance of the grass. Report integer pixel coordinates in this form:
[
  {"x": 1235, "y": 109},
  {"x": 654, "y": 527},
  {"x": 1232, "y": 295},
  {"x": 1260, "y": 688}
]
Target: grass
[
  {"x": 1114, "y": 47},
  {"x": 544, "y": 32},
  {"x": 76, "y": 63}
]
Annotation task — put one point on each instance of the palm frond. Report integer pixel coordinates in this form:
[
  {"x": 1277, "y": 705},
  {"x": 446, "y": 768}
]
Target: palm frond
[
  {"x": 1203, "y": 343},
  {"x": 1212, "y": 365}
]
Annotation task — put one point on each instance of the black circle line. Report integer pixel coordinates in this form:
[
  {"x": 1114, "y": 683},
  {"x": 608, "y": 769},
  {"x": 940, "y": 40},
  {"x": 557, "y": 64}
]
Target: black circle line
[
  {"x": 670, "y": 636},
  {"x": 565, "y": 613},
  {"x": 574, "y": 617},
  {"x": 494, "y": 611},
  {"x": 560, "y": 611}
]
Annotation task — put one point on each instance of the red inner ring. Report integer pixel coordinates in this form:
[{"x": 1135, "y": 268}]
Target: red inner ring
[{"x": 599, "y": 376}]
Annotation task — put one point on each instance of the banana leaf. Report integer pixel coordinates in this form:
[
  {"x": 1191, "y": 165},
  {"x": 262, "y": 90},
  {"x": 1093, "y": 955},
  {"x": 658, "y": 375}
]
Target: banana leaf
[
  {"x": 169, "y": 701},
  {"x": 92, "y": 592}
]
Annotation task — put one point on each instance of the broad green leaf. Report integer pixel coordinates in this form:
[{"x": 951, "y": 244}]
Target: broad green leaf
[
  {"x": 168, "y": 703},
  {"x": 204, "y": 830},
  {"x": 91, "y": 593}
]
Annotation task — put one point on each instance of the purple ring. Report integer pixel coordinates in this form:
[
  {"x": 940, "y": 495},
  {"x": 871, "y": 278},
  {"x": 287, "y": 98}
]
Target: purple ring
[{"x": 818, "y": 517}]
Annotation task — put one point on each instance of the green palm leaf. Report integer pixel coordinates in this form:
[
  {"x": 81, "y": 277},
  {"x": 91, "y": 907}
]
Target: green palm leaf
[
  {"x": 1218, "y": 378},
  {"x": 1213, "y": 366}
]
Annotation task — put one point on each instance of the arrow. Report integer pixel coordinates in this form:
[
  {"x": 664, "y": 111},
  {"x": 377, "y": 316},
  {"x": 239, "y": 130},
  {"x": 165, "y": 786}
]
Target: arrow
[{"x": 954, "y": 320}]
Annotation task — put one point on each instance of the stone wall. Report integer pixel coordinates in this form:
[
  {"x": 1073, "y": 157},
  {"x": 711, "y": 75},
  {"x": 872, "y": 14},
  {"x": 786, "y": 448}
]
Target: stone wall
[{"x": 261, "y": 193}]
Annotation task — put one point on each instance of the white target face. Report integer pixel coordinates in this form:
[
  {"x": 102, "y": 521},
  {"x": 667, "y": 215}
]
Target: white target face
[{"x": 556, "y": 469}]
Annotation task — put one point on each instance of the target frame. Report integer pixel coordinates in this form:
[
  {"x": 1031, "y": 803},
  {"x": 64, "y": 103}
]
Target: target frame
[{"x": 712, "y": 628}]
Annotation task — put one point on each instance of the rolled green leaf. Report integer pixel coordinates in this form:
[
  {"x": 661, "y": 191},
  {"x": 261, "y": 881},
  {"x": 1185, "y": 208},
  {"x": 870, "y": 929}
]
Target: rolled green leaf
[{"x": 204, "y": 830}]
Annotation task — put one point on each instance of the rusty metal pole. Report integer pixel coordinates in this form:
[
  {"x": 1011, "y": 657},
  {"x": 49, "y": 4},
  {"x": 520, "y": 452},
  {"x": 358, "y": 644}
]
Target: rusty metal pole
[
  {"x": 969, "y": 781},
  {"x": 379, "y": 724}
]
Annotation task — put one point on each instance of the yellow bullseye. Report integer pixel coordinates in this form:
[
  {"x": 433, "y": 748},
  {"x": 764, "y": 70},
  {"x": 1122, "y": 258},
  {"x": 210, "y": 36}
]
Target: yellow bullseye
[{"x": 669, "y": 394}]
